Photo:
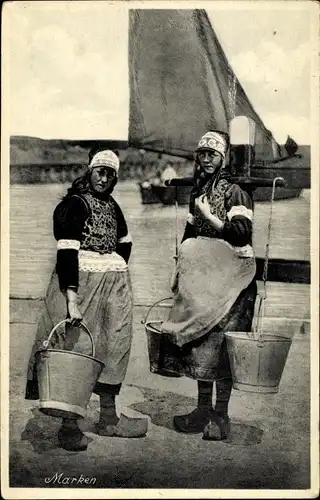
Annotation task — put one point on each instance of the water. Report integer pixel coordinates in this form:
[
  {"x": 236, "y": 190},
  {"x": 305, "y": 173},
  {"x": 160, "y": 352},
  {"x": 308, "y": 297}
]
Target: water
[{"x": 33, "y": 248}]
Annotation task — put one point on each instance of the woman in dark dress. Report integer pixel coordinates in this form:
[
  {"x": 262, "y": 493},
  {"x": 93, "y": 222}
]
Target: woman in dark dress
[
  {"x": 91, "y": 281},
  {"x": 214, "y": 287}
]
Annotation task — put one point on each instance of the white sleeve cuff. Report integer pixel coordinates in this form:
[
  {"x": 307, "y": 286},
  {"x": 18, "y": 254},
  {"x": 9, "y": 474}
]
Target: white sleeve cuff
[
  {"x": 125, "y": 239},
  {"x": 190, "y": 219},
  {"x": 240, "y": 210},
  {"x": 68, "y": 245}
]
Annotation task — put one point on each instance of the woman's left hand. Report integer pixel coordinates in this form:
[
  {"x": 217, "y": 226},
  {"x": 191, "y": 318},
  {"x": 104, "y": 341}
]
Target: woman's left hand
[{"x": 202, "y": 205}]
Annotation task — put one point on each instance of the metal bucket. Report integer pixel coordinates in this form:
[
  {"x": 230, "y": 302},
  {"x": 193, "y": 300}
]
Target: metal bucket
[
  {"x": 257, "y": 363},
  {"x": 157, "y": 345},
  {"x": 66, "y": 378}
]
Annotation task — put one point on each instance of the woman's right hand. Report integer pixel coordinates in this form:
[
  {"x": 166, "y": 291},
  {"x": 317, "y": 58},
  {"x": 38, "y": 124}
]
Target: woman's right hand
[
  {"x": 74, "y": 313},
  {"x": 202, "y": 206},
  {"x": 72, "y": 304}
]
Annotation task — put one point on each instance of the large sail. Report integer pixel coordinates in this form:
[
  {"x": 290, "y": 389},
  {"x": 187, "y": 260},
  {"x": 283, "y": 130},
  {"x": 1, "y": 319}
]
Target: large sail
[{"x": 181, "y": 84}]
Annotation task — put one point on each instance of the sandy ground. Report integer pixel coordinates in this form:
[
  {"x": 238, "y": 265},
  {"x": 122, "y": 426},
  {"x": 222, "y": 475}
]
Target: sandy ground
[{"x": 268, "y": 447}]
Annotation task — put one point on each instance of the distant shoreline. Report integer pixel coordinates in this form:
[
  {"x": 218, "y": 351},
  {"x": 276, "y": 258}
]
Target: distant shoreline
[{"x": 46, "y": 161}]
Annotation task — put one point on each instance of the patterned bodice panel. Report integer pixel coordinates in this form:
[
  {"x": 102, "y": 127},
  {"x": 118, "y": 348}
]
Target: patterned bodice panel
[
  {"x": 100, "y": 229},
  {"x": 216, "y": 199}
]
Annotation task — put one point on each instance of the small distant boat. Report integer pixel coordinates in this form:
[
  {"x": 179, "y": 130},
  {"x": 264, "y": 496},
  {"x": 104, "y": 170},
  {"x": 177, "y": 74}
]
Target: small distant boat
[{"x": 264, "y": 193}]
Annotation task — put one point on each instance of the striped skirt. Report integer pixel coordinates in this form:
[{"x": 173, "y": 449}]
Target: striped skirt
[
  {"x": 214, "y": 292},
  {"x": 105, "y": 301}
]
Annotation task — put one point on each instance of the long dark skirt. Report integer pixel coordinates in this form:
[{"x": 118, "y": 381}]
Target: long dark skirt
[{"x": 207, "y": 358}]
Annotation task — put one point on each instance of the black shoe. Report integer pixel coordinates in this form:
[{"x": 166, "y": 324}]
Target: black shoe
[
  {"x": 72, "y": 438},
  {"x": 218, "y": 428},
  {"x": 194, "y": 422}
]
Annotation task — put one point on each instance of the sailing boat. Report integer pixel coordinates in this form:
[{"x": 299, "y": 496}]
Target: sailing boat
[{"x": 181, "y": 85}]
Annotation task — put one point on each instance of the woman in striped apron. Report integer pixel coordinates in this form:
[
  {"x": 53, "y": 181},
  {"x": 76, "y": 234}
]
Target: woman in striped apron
[{"x": 213, "y": 288}]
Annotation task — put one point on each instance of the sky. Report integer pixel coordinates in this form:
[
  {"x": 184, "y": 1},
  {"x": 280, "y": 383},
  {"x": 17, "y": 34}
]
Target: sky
[{"x": 68, "y": 75}]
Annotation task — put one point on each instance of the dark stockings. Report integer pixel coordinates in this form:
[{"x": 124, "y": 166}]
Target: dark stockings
[
  {"x": 223, "y": 393},
  {"x": 108, "y": 415},
  {"x": 205, "y": 395}
]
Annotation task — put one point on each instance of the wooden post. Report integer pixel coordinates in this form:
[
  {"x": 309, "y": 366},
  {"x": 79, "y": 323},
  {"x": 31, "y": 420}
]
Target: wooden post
[{"x": 242, "y": 154}]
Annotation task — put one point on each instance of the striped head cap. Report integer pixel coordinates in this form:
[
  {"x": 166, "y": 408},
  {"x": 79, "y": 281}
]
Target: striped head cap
[{"x": 105, "y": 158}]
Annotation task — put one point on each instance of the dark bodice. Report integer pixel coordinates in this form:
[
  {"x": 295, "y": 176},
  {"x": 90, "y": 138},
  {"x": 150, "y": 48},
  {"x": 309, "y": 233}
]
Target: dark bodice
[
  {"x": 232, "y": 206},
  {"x": 86, "y": 222}
]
